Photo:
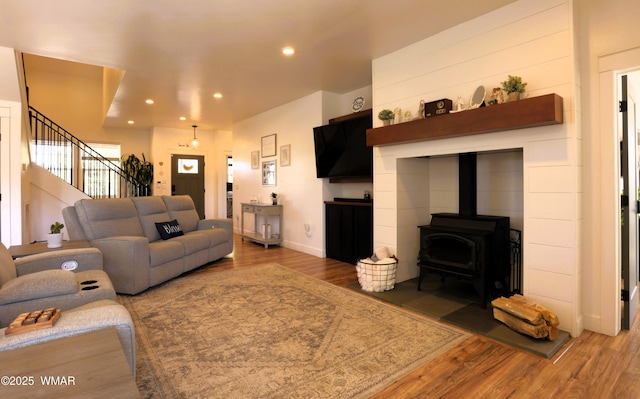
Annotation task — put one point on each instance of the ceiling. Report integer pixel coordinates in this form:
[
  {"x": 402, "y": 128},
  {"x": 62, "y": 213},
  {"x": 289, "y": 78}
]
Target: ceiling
[{"x": 179, "y": 53}]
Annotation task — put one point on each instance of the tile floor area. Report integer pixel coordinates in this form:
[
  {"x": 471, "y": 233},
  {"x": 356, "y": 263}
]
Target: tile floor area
[{"x": 456, "y": 302}]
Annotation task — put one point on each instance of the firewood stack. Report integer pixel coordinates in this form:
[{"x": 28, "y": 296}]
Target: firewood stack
[{"x": 526, "y": 317}]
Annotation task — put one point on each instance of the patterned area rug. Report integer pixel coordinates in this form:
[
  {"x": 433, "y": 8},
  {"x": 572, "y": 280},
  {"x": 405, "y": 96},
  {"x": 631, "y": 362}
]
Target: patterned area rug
[{"x": 270, "y": 332}]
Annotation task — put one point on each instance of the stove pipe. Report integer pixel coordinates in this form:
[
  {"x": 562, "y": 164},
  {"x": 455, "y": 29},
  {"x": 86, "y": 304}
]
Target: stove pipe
[{"x": 467, "y": 184}]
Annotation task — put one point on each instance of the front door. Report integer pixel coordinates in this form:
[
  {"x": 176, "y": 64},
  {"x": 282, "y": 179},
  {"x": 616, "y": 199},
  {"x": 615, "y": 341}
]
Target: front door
[
  {"x": 187, "y": 177},
  {"x": 629, "y": 171}
]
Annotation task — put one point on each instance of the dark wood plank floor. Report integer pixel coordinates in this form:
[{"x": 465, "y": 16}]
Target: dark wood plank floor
[{"x": 590, "y": 366}]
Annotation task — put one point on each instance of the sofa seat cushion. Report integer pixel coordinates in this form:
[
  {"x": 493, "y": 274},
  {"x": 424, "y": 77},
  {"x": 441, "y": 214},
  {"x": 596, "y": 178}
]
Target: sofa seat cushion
[
  {"x": 193, "y": 242},
  {"x": 165, "y": 251},
  {"x": 43, "y": 284},
  {"x": 112, "y": 217},
  {"x": 216, "y": 236}
]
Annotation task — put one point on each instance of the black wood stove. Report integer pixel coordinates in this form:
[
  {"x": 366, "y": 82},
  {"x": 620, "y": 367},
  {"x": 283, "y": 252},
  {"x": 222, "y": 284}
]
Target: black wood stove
[{"x": 469, "y": 246}]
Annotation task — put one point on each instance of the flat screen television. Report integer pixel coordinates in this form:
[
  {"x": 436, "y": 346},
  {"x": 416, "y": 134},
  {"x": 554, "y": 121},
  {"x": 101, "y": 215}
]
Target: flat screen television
[{"x": 341, "y": 149}]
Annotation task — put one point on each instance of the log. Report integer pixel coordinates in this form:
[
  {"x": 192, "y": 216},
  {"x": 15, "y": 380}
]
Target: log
[
  {"x": 537, "y": 331},
  {"x": 553, "y": 333},
  {"x": 550, "y": 317},
  {"x": 526, "y": 316},
  {"x": 518, "y": 309}
]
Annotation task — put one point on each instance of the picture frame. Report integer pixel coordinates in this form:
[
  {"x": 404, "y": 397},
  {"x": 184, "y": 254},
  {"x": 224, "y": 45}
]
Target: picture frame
[
  {"x": 255, "y": 159},
  {"x": 269, "y": 173},
  {"x": 268, "y": 146},
  {"x": 285, "y": 155}
]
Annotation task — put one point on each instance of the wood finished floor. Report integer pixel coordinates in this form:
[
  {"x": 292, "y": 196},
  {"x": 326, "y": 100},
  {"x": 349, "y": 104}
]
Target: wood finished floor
[{"x": 590, "y": 366}]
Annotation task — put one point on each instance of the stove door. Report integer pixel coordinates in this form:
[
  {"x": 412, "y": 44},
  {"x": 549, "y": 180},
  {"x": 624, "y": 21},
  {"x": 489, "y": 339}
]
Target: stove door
[{"x": 450, "y": 252}]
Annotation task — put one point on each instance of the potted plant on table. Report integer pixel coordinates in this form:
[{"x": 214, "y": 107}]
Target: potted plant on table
[
  {"x": 54, "y": 239},
  {"x": 386, "y": 116},
  {"x": 513, "y": 86},
  {"x": 274, "y": 198}
]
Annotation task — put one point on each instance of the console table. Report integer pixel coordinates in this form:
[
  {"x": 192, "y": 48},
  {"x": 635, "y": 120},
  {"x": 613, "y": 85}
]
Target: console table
[
  {"x": 263, "y": 213},
  {"x": 18, "y": 251}
]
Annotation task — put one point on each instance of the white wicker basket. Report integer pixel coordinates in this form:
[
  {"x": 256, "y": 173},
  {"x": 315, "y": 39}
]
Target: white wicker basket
[{"x": 376, "y": 277}]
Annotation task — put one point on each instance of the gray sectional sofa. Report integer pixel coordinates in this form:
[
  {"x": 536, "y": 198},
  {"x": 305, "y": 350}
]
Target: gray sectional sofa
[{"x": 134, "y": 255}]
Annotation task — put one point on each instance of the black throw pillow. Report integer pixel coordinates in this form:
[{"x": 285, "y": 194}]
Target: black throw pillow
[{"x": 169, "y": 229}]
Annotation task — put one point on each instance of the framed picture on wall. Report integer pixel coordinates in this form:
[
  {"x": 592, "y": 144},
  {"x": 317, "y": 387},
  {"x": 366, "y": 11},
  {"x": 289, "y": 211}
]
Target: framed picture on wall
[
  {"x": 269, "y": 146},
  {"x": 255, "y": 159},
  {"x": 269, "y": 173},
  {"x": 285, "y": 155}
]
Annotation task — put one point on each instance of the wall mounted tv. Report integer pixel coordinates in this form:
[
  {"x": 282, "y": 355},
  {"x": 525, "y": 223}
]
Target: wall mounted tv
[{"x": 341, "y": 148}]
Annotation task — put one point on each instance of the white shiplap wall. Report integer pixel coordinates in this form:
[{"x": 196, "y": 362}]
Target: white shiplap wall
[{"x": 532, "y": 39}]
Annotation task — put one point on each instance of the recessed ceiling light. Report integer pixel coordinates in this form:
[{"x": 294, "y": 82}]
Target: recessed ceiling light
[
  {"x": 130, "y": 122},
  {"x": 183, "y": 118},
  {"x": 288, "y": 51},
  {"x": 149, "y": 101},
  {"x": 217, "y": 95}
]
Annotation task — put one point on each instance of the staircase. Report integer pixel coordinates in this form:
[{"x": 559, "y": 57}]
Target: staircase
[{"x": 72, "y": 160}]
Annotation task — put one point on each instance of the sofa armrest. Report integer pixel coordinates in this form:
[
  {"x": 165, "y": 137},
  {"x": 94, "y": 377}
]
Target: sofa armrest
[
  {"x": 126, "y": 261},
  {"x": 46, "y": 284},
  {"x": 84, "y": 258},
  {"x": 90, "y": 317},
  {"x": 215, "y": 223}
]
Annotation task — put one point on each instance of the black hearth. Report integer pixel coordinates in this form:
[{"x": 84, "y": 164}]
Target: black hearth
[{"x": 467, "y": 245}]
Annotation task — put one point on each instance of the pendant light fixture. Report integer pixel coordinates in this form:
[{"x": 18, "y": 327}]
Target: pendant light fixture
[{"x": 194, "y": 142}]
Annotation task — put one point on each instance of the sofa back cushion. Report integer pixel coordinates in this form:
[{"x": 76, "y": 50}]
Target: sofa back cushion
[
  {"x": 112, "y": 217},
  {"x": 182, "y": 209},
  {"x": 7, "y": 267},
  {"x": 151, "y": 210},
  {"x": 72, "y": 223}
]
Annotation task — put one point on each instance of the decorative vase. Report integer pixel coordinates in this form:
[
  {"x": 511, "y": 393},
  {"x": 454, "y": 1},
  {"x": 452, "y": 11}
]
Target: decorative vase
[
  {"x": 274, "y": 201},
  {"x": 54, "y": 240},
  {"x": 514, "y": 96},
  {"x": 386, "y": 122}
]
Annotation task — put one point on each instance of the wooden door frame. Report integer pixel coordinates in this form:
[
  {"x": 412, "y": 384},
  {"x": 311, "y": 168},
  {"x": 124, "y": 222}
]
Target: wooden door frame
[{"x": 610, "y": 68}]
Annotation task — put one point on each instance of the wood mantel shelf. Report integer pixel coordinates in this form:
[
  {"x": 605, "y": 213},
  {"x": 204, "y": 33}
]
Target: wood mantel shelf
[{"x": 531, "y": 112}]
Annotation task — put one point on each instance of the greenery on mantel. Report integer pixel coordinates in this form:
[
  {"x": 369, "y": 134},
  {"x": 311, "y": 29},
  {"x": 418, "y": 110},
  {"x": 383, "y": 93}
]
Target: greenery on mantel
[
  {"x": 385, "y": 115},
  {"x": 513, "y": 84}
]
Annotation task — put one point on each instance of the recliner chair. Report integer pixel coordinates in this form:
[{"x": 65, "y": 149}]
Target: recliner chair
[
  {"x": 90, "y": 317},
  {"x": 41, "y": 281}
]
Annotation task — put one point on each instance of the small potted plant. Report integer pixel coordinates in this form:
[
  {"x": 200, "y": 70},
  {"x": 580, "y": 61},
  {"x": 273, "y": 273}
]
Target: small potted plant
[
  {"x": 513, "y": 86},
  {"x": 54, "y": 239},
  {"x": 386, "y": 116},
  {"x": 274, "y": 198}
]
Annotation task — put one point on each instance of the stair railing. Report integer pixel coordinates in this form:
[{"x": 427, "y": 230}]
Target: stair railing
[{"x": 72, "y": 160}]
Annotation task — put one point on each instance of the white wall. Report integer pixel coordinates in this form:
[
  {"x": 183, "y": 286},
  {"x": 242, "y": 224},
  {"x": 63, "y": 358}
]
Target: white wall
[
  {"x": 12, "y": 151},
  {"x": 302, "y": 194},
  {"x": 214, "y": 146},
  {"x": 453, "y": 63},
  {"x": 609, "y": 44},
  {"x": 75, "y": 103},
  {"x": 299, "y": 189},
  {"x": 499, "y": 185},
  {"x": 48, "y": 196}
]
